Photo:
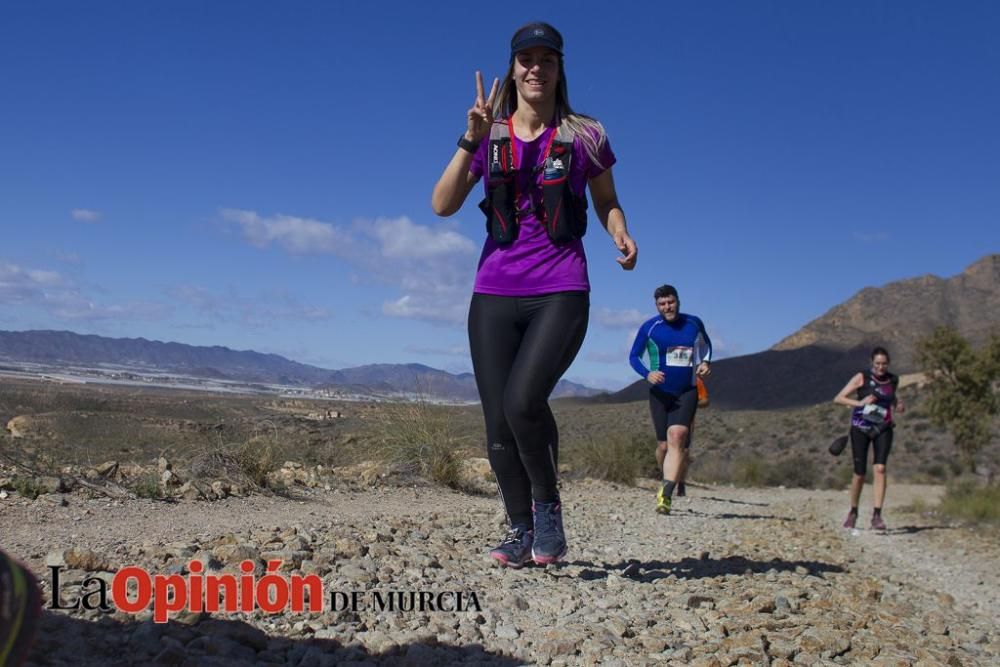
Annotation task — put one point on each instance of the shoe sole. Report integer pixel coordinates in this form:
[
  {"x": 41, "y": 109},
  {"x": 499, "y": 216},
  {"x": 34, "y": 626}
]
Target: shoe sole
[
  {"x": 548, "y": 560},
  {"x": 506, "y": 562}
]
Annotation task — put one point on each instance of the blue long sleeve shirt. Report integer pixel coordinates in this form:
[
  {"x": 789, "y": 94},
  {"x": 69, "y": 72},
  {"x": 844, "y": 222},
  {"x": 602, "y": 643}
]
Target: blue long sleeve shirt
[{"x": 676, "y": 348}]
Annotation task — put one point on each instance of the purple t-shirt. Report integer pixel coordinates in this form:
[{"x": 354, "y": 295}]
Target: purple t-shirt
[{"x": 533, "y": 265}]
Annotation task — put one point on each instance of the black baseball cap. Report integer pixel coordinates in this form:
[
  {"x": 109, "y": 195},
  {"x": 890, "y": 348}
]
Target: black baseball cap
[{"x": 536, "y": 34}]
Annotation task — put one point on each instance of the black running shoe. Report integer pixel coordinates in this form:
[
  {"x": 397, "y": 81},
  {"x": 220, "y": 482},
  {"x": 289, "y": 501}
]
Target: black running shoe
[
  {"x": 550, "y": 538},
  {"x": 515, "y": 550}
]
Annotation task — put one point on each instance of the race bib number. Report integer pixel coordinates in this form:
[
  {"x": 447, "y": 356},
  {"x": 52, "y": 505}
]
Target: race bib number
[
  {"x": 679, "y": 356},
  {"x": 874, "y": 413}
]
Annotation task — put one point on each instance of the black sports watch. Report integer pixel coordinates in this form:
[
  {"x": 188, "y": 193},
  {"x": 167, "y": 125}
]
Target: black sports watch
[{"x": 466, "y": 145}]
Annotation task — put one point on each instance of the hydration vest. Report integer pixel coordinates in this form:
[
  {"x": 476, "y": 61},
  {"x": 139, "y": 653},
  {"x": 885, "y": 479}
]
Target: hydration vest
[
  {"x": 871, "y": 383},
  {"x": 562, "y": 213},
  {"x": 876, "y": 413}
]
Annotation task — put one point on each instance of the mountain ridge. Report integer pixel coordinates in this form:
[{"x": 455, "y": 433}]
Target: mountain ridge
[
  {"x": 222, "y": 363},
  {"x": 811, "y": 365}
]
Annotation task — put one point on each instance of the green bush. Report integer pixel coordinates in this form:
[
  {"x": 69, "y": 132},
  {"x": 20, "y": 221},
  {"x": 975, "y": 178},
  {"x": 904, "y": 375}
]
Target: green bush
[
  {"x": 147, "y": 486},
  {"x": 936, "y": 471},
  {"x": 27, "y": 487},
  {"x": 617, "y": 458},
  {"x": 795, "y": 471},
  {"x": 969, "y": 502},
  {"x": 749, "y": 472}
]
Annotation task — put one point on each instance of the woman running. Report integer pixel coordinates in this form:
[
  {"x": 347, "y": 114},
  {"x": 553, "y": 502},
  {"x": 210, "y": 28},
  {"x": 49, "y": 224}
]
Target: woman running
[
  {"x": 874, "y": 401},
  {"x": 531, "y": 301}
]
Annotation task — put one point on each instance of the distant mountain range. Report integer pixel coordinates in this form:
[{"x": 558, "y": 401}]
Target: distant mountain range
[
  {"x": 811, "y": 365},
  {"x": 222, "y": 363},
  {"x": 806, "y": 368}
]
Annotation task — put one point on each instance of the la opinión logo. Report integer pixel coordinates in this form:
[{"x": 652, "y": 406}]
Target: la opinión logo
[{"x": 133, "y": 590}]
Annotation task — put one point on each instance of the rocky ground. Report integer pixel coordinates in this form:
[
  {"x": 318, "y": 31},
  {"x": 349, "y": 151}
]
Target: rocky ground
[{"x": 734, "y": 576}]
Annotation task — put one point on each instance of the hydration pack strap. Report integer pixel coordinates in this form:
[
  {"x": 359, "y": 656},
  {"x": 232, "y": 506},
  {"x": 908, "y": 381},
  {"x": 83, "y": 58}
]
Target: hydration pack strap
[{"x": 563, "y": 214}]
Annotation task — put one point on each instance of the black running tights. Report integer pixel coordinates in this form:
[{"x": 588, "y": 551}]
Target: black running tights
[{"x": 520, "y": 347}]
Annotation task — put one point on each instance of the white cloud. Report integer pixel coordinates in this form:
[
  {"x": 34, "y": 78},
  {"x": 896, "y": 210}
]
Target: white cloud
[
  {"x": 68, "y": 258},
  {"x": 427, "y": 308},
  {"x": 721, "y": 348},
  {"x": 298, "y": 236},
  {"x": 615, "y": 354},
  {"x": 77, "y": 308},
  {"x": 260, "y": 311},
  {"x": 19, "y": 286},
  {"x": 402, "y": 239},
  {"x": 607, "y": 357},
  {"x": 86, "y": 215},
  {"x": 198, "y": 297},
  {"x": 432, "y": 266},
  {"x": 61, "y": 298},
  {"x": 620, "y": 319}
]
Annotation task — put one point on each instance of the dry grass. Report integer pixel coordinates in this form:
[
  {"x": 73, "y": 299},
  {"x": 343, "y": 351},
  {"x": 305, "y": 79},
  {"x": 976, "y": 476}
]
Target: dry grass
[
  {"x": 419, "y": 439},
  {"x": 969, "y": 502},
  {"x": 620, "y": 458},
  {"x": 245, "y": 463}
]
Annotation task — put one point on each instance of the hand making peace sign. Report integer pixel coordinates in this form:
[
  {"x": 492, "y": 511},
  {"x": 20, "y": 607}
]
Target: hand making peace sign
[{"x": 481, "y": 113}]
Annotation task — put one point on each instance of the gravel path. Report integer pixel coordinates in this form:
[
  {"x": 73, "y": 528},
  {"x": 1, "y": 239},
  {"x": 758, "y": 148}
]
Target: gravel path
[{"x": 733, "y": 576}]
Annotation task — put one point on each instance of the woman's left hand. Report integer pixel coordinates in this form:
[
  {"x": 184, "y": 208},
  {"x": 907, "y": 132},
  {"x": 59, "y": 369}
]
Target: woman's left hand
[{"x": 626, "y": 246}]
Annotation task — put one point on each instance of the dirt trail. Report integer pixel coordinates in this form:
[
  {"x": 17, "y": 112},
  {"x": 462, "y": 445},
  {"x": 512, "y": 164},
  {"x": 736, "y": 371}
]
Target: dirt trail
[{"x": 733, "y": 576}]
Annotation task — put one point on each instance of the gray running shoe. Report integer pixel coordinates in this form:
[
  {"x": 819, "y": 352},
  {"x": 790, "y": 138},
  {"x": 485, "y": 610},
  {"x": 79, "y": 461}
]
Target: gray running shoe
[
  {"x": 550, "y": 539},
  {"x": 515, "y": 550},
  {"x": 851, "y": 520}
]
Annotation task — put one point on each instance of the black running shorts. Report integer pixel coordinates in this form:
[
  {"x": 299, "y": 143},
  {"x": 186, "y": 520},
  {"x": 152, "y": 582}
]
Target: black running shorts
[{"x": 668, "y": 410}]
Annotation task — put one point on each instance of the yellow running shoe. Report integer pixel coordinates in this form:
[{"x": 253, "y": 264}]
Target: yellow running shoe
[{"x": 662, "y": 502}]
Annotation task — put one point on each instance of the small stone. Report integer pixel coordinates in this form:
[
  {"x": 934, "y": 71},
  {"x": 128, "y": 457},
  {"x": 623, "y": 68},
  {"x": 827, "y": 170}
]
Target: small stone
[
  {"x": 507, "y": 631},
  {"x": 696, "y": 601}
]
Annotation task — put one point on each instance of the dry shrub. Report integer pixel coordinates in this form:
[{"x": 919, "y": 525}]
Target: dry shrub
[
  {"x": 418, "y": 438},
  {"x": 969, "y": 502},
  {"x": 617, "y": 458},
  {"x": 245, "y": 463}
]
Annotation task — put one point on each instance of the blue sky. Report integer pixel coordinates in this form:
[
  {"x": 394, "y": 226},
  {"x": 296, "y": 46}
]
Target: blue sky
[{"x": 258, "y": 174}]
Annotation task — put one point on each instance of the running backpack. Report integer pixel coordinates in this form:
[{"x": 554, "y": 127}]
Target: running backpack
[{"x": 563, "y": 214}]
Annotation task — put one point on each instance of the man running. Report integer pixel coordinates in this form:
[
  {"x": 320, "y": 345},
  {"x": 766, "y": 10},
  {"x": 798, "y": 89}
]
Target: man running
[
  {"x": 682, "y": 475},
  {"x": 679, "y": 351}
]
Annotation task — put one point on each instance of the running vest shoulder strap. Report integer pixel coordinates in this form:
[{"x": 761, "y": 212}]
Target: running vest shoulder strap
[
  {"x": 563, "y": 213},
  {"x": 869, "y": 382},
  {"x": 866, "y": 385}
]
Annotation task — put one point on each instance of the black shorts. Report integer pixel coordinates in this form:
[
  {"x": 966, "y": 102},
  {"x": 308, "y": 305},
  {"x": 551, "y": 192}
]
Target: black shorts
[
  {"x": 668, "y": 410},
  {"x": 860, "y": 441}
]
